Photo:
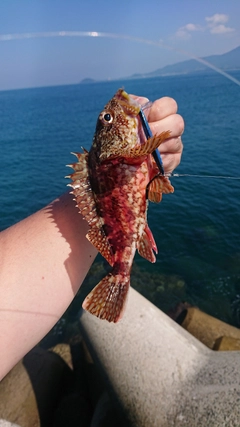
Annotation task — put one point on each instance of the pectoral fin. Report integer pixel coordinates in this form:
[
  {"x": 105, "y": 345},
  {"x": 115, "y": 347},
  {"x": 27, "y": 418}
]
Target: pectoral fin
[
  {"x": 158, "y": 185},
  {"x": 148, "y": 146}
]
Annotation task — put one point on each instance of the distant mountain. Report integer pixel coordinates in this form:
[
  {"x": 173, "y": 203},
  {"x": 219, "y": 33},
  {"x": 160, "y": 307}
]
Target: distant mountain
[{"x": 226, "y": 61}]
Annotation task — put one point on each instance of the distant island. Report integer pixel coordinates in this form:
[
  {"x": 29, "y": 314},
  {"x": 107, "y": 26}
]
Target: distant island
[
  {"x": 226, "y": 61},
  {"x": 87, "y": 80}
]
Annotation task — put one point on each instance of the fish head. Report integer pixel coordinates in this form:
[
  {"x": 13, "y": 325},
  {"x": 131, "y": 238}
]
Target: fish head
[{"x": 118, "y": 127}]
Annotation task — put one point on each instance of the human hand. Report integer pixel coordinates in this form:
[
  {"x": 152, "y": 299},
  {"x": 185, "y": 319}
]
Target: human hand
[{"x": 162, "y": 116}]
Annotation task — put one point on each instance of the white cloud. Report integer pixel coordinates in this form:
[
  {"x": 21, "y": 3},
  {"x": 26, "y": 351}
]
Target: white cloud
[
  {"x": 221, "y": 29},
  {"x": 216, "y": 24},
  {"x": 185, "y": 31},
  {"x": 193, "y": 27},
  {"x": 182, "y": 34},
  {"x": 218, "y": 18}
]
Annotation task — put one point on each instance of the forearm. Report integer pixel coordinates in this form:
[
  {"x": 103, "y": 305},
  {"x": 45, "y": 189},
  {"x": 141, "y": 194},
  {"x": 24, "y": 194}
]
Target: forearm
[{"x": 44, "y": 260}]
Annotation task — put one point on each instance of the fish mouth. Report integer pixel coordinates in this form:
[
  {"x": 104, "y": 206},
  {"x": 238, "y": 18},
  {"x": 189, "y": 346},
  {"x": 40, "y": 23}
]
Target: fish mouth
[{"x": 129, "y": 105}]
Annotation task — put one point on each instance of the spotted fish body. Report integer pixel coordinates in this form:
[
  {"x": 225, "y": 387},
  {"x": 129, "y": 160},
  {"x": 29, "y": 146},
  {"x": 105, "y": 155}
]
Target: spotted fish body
[{"x": 110, "y": 184}]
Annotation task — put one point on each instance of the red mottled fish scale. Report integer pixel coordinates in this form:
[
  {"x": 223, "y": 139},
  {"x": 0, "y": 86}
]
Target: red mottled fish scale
[{"x": 110, "y": 184}]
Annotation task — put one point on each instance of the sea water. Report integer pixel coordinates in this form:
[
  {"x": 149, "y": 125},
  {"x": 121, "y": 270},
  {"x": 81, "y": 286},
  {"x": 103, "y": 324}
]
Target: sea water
[{"x": 197, "y": 229}]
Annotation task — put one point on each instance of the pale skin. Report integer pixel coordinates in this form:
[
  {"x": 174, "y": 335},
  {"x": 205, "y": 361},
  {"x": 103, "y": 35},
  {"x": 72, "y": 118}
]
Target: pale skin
[{"x": 45, "y": 258}]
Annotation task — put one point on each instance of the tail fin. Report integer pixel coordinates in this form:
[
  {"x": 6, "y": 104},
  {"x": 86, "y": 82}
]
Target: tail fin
[{"x": 108, "y": 299}]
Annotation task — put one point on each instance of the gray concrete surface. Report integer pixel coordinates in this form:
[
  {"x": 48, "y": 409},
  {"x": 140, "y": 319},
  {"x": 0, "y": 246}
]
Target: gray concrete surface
[
  {"x": 5, "y": 423},
  {"x": 161, "y": 374}
]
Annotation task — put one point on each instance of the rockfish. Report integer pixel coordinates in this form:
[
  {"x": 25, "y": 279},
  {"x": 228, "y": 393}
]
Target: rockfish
[{"x": 112, "y": 184}]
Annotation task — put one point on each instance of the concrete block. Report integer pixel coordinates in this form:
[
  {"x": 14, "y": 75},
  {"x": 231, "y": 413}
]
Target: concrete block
[
  {"x": 162, "y": 375},
  {"x": 206, "y": 328},
  {"x": 227, "y": 344}
]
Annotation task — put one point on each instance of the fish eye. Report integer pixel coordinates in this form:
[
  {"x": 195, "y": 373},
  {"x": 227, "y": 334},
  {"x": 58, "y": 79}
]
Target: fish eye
[{"x": 107, "y": 117}]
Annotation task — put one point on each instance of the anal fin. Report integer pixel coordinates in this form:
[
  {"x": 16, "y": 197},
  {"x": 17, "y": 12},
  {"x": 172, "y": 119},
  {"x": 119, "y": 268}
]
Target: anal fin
[{"x": 147, "y": 245}]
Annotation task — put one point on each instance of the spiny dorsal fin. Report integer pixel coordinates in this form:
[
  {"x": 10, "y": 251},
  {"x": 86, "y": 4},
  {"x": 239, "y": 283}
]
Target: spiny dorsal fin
[{"x": 87, "y": 206}]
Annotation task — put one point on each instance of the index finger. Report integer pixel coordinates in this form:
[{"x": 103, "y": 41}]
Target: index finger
[
  {"x": 140, "y": 99},
  {"x": 162, "y": 108}
]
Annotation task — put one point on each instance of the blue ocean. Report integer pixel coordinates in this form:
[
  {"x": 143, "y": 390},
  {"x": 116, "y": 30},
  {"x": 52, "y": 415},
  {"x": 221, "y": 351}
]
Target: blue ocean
[{"x": 197, "y": 229}]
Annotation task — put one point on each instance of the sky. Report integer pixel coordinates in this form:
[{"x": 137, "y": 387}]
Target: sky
[{"x": 159, "y": 32}]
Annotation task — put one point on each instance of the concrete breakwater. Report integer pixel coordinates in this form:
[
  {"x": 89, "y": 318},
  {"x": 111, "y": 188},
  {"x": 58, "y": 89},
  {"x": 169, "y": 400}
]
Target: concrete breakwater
[
  {"x": 162, "y": 375},
  {"x": 158, "y": 372}
]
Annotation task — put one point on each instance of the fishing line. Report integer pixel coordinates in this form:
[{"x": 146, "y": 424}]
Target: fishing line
[
  {"x": 20, "y": 36},
  {"x": 173, "y": 175},
  {"x": 179, "y": 175}
]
